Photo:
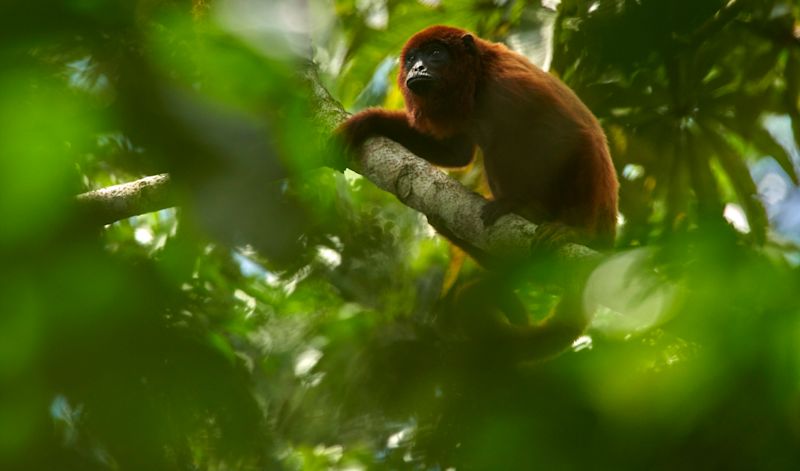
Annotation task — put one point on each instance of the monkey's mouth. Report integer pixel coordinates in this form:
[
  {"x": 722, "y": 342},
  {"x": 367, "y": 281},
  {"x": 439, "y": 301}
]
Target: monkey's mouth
[{"x": 420, "y": 83}]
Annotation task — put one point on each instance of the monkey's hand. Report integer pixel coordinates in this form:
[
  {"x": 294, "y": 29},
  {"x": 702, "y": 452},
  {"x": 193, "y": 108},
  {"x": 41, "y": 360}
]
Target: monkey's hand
[
  {"x": 373, "y": 122},
  {"x": 551, "y": 235}
]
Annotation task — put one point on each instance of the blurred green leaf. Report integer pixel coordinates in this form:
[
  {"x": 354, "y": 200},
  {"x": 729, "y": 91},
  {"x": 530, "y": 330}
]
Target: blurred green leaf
[
  {"x": 742, "y": 181},
  {"x": 291, "y": 316}
]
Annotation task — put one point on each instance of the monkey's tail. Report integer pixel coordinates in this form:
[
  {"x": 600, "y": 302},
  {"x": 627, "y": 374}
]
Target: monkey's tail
[{"x": 494, "y": 316}]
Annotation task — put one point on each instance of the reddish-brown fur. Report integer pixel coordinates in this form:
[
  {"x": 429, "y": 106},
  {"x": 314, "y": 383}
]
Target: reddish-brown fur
[{"x": 545, "y": 154}]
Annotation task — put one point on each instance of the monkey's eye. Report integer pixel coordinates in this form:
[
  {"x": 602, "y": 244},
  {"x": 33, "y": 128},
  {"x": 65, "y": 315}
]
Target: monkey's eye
[{"x": 437, "y": 54}]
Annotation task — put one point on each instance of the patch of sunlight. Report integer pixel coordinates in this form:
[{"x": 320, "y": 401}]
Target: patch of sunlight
[
  {"x": 329, "y": 257},
  {"x": 306, "y": 361},
  {"x": 626, "y": 296},
  {"x": 144, "y": 235},
  {"x": 584, "y": 342},
  {"x": 398, "y": 438},
  {"x": 333, "y": 453},
  {"x": 632, "y": 171},
  {"x": 735, "y": 215},
  {"x": 551, "y": 4},
  {"x": 248, "y": 301},
  {"x": 351, "y": 177}
]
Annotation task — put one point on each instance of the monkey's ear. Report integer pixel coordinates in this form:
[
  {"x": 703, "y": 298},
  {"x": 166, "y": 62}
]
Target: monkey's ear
[{"x": 469, "y": 42}]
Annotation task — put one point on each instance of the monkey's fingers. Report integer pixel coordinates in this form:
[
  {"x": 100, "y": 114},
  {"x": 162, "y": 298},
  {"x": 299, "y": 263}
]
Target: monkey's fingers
[{"x": 549, "y": 236}]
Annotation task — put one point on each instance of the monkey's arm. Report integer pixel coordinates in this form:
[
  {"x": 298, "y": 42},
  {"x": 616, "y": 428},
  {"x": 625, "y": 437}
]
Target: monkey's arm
[{"x": 455, "y": 151}]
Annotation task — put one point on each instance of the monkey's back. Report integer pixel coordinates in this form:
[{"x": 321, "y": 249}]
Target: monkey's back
[{"x": 543, "y": 148}]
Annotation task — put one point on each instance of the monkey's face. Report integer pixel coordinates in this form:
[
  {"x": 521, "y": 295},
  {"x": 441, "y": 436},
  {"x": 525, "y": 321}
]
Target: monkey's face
[
  {"x": 423, "y": 67},
  {"x": 439, "y": 72}
]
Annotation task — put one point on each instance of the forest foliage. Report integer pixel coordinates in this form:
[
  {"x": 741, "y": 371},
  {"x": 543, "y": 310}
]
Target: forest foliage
[{"x": 288, "y": 314}]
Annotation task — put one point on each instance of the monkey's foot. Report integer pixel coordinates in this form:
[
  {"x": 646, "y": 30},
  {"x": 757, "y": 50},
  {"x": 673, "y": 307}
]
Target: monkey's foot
[
  {"x": 549, "y": 236},
  {"x": 495, "y": 209}
]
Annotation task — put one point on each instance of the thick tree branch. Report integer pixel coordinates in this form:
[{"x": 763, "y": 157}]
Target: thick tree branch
[
  {"x": 117, "y": 202},
  {"x": 448, "y": 205}
]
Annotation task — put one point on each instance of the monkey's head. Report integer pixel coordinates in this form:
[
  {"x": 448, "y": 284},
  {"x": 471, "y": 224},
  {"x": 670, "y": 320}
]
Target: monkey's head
[{"x": 439, "y": 69}]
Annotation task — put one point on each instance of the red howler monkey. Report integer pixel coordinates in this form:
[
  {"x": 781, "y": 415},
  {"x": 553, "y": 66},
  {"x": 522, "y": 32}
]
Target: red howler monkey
[{"x": 545, "y": 154}]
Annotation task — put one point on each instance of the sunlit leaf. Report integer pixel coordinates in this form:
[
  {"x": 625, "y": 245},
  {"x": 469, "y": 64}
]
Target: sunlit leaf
[{"x": 742, "y": 180}]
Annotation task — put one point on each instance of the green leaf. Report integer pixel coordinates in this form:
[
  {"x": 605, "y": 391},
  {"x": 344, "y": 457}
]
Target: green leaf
[
  {"x": 703, "y": 182},
  {"x": 743, "y": 184},
  {"x": 765, "y": 142},
  {"x": 793, "y": 93}
]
